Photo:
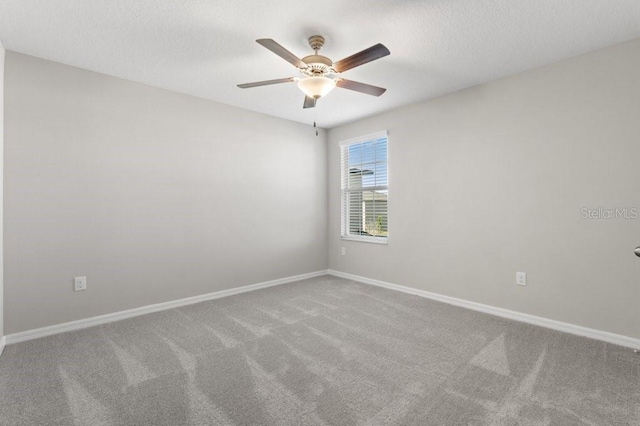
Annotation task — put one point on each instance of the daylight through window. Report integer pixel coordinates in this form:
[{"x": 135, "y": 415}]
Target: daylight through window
[{"x": 365, "y": 189}]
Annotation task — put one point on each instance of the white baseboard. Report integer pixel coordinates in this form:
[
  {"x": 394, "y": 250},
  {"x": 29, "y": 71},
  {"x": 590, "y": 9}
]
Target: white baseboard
[
  {"x": 116, "y": 316},
  {"x": 616, "y": 339},
  {"x": 604, "y": 336}
]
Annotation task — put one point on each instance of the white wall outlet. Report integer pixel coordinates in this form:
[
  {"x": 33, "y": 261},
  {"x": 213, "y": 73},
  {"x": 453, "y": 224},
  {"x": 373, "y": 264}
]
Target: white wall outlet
[
  {"x": 344, "y": 251},
  {"x": 521, "y": 278},
  {"x": 79, "y": 283}
]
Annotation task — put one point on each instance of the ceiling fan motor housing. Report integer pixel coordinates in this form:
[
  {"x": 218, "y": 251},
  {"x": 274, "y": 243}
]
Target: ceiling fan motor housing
[{"x": 317, "y": 65}]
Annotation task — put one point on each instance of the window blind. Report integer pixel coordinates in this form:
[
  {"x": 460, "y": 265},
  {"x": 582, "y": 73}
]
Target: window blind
[{"x": 365, "y": 190}]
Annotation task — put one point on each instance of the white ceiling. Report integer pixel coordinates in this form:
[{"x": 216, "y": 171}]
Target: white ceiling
[{"x": 205, "y": 48}]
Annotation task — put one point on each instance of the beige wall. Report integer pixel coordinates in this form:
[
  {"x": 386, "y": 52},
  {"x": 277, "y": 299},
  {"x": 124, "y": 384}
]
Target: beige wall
[
  {"x": 491, "y": 180},
  {"x": 157, "y": 196},
  {"x": 2, "y": 55},
  {"x": 153, "y": 195}
]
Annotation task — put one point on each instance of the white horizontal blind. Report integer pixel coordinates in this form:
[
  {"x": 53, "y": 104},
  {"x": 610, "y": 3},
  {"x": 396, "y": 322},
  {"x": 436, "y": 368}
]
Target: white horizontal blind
[{"x": 365, "y": 190}]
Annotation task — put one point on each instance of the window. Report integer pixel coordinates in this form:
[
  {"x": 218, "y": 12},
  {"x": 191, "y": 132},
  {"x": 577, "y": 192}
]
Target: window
[{"x": 365, "y": 188}]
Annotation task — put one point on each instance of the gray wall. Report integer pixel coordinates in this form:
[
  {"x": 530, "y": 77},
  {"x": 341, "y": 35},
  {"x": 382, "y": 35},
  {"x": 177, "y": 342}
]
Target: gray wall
[
  {"x": 2, "y": 55},
  {"x": 491, "y": 180},
  {"x": 153, "y": 195}
]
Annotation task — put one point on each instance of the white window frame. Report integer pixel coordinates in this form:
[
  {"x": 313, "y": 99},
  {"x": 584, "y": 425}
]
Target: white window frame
[{"x": 344, "y": 208}]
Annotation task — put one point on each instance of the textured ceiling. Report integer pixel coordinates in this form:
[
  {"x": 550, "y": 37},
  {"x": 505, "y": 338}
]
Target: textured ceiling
[{"x": 205, "y": 48}]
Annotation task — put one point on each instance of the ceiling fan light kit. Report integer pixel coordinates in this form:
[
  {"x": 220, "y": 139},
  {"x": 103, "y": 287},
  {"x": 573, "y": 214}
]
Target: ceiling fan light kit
[
  {"x": 317, "y": 70},
  {"x": 316, "y": 87}
]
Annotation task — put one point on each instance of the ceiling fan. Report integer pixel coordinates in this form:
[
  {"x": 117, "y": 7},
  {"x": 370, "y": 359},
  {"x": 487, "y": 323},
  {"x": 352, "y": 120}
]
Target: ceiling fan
[{"x": 317, "y": 70}]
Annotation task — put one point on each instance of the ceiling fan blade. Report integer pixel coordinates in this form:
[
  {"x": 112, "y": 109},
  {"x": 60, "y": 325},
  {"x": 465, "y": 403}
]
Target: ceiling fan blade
[
  {"x": 276, "y": 48},
  {"x": 309, "y": 102},
  {"x": 266, "y": 82},
  {"x": 360, "y": 87},
  {"x": 374, "y": 52}
]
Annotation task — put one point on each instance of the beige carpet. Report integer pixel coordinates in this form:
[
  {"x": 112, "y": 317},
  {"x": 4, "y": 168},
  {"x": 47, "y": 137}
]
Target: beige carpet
[{"x": 324, "y": 351}]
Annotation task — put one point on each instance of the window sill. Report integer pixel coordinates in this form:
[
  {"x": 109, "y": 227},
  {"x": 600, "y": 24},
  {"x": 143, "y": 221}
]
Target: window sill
[{"x": 373, "y": 240}]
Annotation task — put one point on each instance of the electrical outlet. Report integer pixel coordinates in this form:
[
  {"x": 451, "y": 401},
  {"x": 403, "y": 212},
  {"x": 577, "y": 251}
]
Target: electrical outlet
[
  {"x": 79, "y": 283},
  {"x": 344, "y": 251},
  {"x": 521, "y": 278}
]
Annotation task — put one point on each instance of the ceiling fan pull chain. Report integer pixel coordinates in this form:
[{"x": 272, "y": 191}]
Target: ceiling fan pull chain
[{"x": 315, "y": 118}]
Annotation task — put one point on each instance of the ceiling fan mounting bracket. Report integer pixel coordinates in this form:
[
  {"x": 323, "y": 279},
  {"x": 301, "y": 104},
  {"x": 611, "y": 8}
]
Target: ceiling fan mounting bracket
[{"x": 316, "y": 42}]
